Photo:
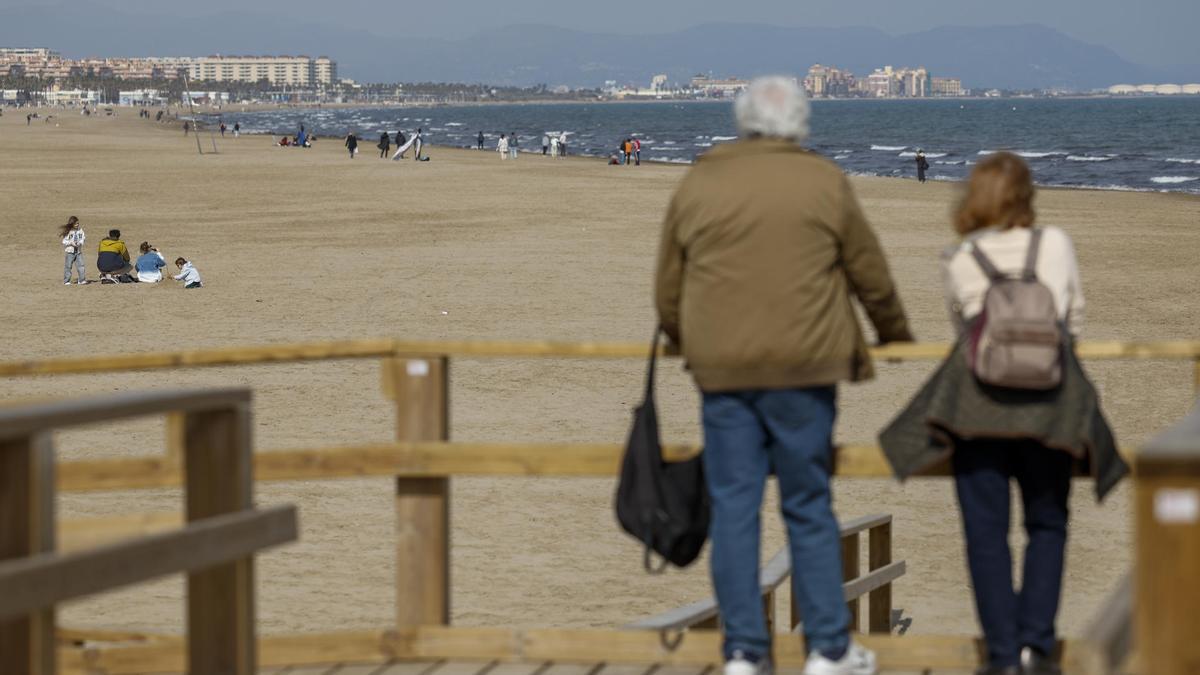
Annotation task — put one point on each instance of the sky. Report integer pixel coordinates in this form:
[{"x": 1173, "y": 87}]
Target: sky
[{"x": 1150, "y": 32}]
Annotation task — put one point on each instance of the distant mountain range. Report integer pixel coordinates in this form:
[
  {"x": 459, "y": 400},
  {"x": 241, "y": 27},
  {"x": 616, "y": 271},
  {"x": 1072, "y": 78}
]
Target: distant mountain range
[{"x": 1016, "y": 57}]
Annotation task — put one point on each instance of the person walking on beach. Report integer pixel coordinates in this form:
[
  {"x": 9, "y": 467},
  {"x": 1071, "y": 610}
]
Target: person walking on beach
[
  {"x": 997, "y": 433},
  {"x": 351, "y": 144},
  {"x": 237, "y": 129},
  {"x": 418, "y": 143},
  {"x": 545, "y": 144},
  {"x": 758, "y": 298},
  {"x": 480, "y": 140},
  {"x": 637, "y": 151},
  {"x": 922, "y": 165},
  {"x": 385, "y": 144},
  {"x": 401, "y": 139},
  {"x": 513, "y": 146},
  {"x": 502, "y": 146},
  {"x": 222, "y": 130},
  {"x": 72, "y": 236},
  {"x": 562, "y": 144},
  {"x": 186, "y": 128}
]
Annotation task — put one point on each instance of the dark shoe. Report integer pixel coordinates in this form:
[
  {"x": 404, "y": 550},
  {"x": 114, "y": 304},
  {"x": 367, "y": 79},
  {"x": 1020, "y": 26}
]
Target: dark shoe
[
  {"x": 1034, "y": 662},
  {"x": 993, "y": 670}
]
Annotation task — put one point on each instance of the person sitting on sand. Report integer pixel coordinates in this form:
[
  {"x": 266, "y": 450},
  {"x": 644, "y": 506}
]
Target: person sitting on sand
[
  {"x": 113, "y": 259},
  {"x": 188, "y": 274},
  {"x": 149, "y": 264},
  {"x": 284, "y": 142}
]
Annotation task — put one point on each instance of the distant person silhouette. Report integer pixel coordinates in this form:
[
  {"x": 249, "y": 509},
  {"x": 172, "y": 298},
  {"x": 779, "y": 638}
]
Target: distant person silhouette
[
  {"x": 922, "y": 165},
  {"x": 480, "y": 141},
  {"x": 351, "y": 144}
]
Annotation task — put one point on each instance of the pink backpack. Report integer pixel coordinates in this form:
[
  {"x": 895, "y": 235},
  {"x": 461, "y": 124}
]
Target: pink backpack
[{"x": 1016, "y": 341}]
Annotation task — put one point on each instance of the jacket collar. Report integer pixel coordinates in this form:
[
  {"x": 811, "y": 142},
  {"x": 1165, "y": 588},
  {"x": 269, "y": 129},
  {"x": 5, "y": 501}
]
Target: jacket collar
[{"x": 756, "y": 145}]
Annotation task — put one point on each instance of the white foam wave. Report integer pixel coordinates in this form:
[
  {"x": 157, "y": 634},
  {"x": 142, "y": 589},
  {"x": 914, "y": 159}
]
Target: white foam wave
[
  {"x": 703, "y": 145},
  {"x": 889, "y": 148},
  {"x": 1038, "y": 155},
  {"x": 951, "y": 162},
  {"x": 841, "y": 156},
  {"x": 671, "y": 160},
  {"x": 724, "y": 138},
  {"x": 1173, "y": 180},
  {"x": 987, "y": 152},
  {"x": 928, "y": 154},
  {"x": 455, "y": 124},
  {"x": 1087, "y": 158},
  {"x": 1181, "y": 160}
]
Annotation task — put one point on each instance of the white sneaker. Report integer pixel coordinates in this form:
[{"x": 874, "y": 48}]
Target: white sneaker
[
  {"x": 66, "y": 283},
  {"x": 740, "y": 666},
  {"x": 858, "y": 661}
]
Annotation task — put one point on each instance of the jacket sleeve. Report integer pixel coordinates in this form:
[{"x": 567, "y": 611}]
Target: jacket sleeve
[
  {"x": 125, "y": 252},
  {"x": 668, "y": 285},
  {"x": 868, "y": 274}
]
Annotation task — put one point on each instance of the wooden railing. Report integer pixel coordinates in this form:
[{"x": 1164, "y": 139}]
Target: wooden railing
[
  {"x": 422, "y": 460},
  {"x": 215, "y": 548},
  {"x": 876, "y": 584}
]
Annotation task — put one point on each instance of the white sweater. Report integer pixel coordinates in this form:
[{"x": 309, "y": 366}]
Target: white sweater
[{"x": 966, "y": 283}]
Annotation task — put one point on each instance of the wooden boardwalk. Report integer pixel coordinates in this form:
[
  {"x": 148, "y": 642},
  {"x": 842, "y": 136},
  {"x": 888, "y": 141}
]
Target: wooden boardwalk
[{"x": 494, "y": 668}]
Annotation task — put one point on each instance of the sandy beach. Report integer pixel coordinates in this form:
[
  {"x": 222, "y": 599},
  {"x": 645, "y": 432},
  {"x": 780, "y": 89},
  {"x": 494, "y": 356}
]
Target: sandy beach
[{"x": 303, "y": 245}]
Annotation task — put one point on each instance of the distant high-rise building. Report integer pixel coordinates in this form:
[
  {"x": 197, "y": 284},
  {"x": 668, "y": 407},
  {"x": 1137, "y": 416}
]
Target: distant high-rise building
[
  {"x": 882, "y": 83},
  {"x": 946, "y": 86},
  {"x": 299, "y": 71}
]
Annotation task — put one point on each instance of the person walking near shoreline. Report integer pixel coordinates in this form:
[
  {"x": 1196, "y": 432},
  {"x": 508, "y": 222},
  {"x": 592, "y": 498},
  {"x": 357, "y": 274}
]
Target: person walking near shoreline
[
  {"x": 237, "y": 129},
  {"x": 562, "y": 144},
  {"x": 637, "y": 151},
  {"x": 418, "y": 143},
  {"x": 385, "y": 144},
  {"x": 545, "y": 144},
  {"x": 73, "y": 237},
  {"x": 502, "y": 147},
  {"x": 352, "y": 144},
  {"x": 759, "y": 300},
  {"x": 480, "y": 140},
  {"x": 922, "y": 165},
  {"x": 513, "y": 146}
]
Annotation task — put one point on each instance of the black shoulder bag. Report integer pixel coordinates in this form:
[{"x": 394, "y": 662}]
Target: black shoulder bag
[{"x": 662, "y": 504}]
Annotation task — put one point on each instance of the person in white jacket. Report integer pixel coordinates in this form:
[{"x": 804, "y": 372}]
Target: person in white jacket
[
  {"x": 72, "y": 242},
  {"x": 502, "y": 146},
  {"x": 188, "y": 274}
]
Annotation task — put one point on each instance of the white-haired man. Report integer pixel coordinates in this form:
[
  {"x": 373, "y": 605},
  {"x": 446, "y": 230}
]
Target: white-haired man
[{"x": 763, "y": 245}]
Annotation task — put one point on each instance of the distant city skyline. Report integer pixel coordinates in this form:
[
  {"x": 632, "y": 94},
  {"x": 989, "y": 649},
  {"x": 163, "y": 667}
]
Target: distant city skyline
[{"x": 1158, "y": 33}]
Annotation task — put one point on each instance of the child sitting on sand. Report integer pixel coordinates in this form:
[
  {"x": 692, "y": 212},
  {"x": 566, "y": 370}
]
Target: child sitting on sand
[{"x": 188, "y": 274}]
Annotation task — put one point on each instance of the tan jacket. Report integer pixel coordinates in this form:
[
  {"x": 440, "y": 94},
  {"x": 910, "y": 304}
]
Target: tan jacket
[{"x": 762, "y": 247}]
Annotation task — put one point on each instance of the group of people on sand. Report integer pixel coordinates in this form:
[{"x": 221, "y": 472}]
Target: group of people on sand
[
  {"x": 629, "y": 153},
  {"x": 758, "y": 299},
  {"x": 403, "y": 143},
  {"x": 302, "y": 139},
  {"x": 509, "y": 145},
  {"x": 114, "y": 262}
]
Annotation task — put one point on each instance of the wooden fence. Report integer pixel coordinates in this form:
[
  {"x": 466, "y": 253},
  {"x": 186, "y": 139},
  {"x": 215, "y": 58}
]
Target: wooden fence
[
  {"x": 422, "y": 460},
  {"x": 215, "y": 548}
]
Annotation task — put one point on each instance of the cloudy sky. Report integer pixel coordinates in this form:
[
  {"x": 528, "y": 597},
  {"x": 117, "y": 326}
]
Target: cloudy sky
[{"x": 1151, "y": 32}]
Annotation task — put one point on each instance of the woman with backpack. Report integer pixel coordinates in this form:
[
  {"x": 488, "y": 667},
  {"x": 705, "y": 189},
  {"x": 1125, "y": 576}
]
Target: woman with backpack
[{"x": 1011, "y": 402}]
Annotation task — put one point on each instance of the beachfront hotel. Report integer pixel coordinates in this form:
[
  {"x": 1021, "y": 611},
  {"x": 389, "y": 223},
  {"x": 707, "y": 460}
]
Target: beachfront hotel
[{"x": 298, "y": 71}]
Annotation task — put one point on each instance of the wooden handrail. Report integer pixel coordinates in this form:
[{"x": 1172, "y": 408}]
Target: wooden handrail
[
  {"x": 772, "y": 576},
  {"x": 380, "y": 348},
  {"x": 22, "y": 420},
  {"x": 29, "y": 584}
]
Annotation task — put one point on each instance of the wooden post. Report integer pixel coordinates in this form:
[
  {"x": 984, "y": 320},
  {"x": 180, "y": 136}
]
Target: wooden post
[
  {"x": 1167, "y": 498},
  {"x": 794, "y": 615},
  {"x": 769, "y": 611},
  {"x": 27, "y": 644},
  {"x": 849, "y": 572},
  {"x": 176, "y": 435},
  {"x": 421, "y": 390},
  {"x": 219, "y": 480},
  {"x": 879, "y": 554}
]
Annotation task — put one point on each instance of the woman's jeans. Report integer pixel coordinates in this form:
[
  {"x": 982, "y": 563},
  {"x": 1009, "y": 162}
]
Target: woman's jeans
[
  {"x": 75, "y": 259},
  {"x": 747, "y": 435},
  {"x": 1012, "y": 620}
]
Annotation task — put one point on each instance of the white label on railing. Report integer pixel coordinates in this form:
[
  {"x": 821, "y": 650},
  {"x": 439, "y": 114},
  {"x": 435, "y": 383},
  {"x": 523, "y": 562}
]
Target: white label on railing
[
  {"x": 1177, "y": 506},
  {"x": 418, "y": 368}
]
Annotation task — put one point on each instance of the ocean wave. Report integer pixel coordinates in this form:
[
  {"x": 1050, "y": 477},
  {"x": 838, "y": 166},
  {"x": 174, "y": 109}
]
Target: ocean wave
[
  {"x": 1087, "y": 158},
  {"x": 928, "y": 154},
  {"x": 1173, "y": 180},
  {"x": 841, "y": 156},
  {"x": 703, "y": 145},
  {"x": 724, "y": 138},
  {"x": 889, "y": 148},
  {"x": 1027, "y": 154},
  {"x": 1181, "y": 160},
  {"x": 671, "y": 160},
  {"x": 951, "y": 162},
  {"x": 455, "y": 124}
]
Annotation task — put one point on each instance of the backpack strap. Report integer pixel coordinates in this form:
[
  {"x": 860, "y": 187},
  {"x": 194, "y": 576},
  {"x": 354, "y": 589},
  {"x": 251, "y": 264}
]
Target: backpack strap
[
  {"x": 650, "y": 366},
  {"x": 1031, "y": 256},
  {"x": 985, "y": 263}
]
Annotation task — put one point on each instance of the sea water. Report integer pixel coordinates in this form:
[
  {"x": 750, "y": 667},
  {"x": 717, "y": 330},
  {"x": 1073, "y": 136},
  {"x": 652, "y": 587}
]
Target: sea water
[{"x": 1150, "y": 143}]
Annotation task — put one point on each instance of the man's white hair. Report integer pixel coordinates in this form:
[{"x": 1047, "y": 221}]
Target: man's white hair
[{"x": 773, "y": 106}]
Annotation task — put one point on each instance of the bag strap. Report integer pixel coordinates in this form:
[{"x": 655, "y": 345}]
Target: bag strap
[
  {"x": 650, "y": 366},
  {"x": 1031, "y": 256},
  {"x": 985, "y": 263}
]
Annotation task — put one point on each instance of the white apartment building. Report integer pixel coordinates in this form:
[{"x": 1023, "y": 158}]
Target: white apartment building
[{"x": 298, "y": 71}]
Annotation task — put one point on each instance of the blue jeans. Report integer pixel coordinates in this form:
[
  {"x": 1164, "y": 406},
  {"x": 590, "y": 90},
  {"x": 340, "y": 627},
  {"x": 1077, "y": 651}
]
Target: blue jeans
[
  {"x": 747, "y": 435},
  {"x": 982, "y": 470},
  {"x": 73, "y": 260}
]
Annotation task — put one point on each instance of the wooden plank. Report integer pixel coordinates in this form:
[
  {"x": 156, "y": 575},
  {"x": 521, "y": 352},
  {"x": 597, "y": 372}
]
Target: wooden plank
[
  {"x": 19, "y": 421},
  {"x": 84, "y": 533},
  {"x": 79, "y": 636},
  {"x": 424, "y": 460},
  {"x": 854, "y": 526},
  {"x": 220, "y": 484},
  {"x": 422, "y": 394},
  {"x": 27, "y": 635},
  {"x": 856, "y": 588},
  {"x": 879, "y": 556},
  {"x": 409, "y": 668},
  {"x": 850, "y": 567},
  {"x": 176, "y": 435},
  {"x": 49, "y": 578}
]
